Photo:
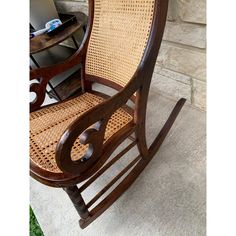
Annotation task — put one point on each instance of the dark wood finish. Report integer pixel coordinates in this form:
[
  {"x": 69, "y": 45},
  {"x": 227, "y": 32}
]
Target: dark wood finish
[
  {"x": 70, "y": 87},
  {"x": 105, "y": 167},
  {"x": 111, "y": 84},
  {"x": 78, "y": 201},
  {"x": 64, "y": 179},
  {"x": 107, "y": 187},
  {"x": 57, "y": 96},
  {"x": 91, "y": 125}
]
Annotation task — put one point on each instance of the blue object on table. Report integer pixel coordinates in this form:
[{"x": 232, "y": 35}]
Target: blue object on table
[{"x": 49, "y": 26}]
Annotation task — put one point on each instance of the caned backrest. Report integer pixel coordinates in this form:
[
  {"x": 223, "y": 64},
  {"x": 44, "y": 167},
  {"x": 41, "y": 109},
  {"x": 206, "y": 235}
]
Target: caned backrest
[{"x": 118, "y": 39}]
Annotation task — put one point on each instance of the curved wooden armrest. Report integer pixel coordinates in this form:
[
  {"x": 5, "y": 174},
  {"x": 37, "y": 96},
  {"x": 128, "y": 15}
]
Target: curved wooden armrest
[
  {"x": 44, "y": 74},
  {"x": 50, "y": 71},
  {"x": 90, "y": 127}
]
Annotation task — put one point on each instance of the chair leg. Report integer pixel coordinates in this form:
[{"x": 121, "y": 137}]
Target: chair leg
[{"x": 76, "y": 198}]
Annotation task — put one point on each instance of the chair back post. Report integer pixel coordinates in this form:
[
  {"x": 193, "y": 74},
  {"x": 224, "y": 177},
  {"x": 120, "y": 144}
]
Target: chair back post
[
  {"x": 87, "y": 85},
  {"x": 146, "y": 67}
]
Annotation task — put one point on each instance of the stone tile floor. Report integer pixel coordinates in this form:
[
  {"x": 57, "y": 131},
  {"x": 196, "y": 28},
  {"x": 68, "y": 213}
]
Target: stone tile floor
[{"x": 169, "y": 197}]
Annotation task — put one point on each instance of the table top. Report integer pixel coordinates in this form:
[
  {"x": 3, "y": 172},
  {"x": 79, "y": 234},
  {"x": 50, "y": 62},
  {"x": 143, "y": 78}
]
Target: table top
[{"x": 43, "y": 41}]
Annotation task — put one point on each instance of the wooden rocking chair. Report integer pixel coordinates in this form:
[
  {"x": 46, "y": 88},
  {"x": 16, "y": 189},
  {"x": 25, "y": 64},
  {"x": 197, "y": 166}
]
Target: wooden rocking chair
[{"x": 71, "y": 141}]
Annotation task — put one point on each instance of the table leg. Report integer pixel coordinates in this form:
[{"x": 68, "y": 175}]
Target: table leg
[
  {"x": 50, "y": 85},
  {"x": 74, "y": 40},
  {"x": 84, "y": 29},
  {"x": 34, "y": 61}
]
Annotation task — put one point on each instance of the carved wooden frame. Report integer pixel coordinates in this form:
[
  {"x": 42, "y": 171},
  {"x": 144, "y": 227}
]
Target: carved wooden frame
[{"x": 92, "y": 165}]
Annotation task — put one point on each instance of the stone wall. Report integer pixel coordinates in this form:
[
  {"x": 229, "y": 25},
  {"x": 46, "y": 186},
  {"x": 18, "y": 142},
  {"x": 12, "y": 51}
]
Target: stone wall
[{"x": 181, "y": 65}]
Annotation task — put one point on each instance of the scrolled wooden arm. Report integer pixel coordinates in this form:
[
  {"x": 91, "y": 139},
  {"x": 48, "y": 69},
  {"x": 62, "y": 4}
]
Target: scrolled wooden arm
[
  {"x": 53, "y": 70},
  {"x": 90, "y": 127},
  {"x": 45, "y": 74}
]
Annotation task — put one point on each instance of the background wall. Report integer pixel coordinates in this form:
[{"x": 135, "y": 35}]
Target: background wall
[{"x": 181, "y": 66}]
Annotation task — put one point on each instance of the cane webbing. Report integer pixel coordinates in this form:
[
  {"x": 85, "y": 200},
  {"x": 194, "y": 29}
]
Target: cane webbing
[
  {"x": 118, "y": 39},
  {"x": 48, "y": 124}
]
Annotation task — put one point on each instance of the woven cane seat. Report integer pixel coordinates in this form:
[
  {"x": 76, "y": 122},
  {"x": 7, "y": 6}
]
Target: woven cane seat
[{"x": 48, "y": 124}]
